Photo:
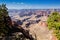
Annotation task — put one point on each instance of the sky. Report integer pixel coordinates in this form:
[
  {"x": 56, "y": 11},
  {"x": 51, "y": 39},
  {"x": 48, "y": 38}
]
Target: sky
[{"x": 31, "y": 4}]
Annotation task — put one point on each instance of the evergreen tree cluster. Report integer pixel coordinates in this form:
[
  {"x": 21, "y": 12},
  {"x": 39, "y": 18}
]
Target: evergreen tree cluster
[
  {"x": 54, "y": 23},
  {"x": 3, "y": 15}
]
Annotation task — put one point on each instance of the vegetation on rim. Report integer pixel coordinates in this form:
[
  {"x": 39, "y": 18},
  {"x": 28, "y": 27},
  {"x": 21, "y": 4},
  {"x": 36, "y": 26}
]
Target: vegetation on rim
[
  {"x": 6, "y": 27},
  {"x": 54, "y": 23},
  {"x": 3, "y": 14}
]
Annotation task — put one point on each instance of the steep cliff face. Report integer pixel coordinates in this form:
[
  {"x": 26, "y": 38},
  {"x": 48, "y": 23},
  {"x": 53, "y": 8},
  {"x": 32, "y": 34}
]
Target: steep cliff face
[
  {"x": 40, "y": 31},
  {"x": 35, "y": 23}
]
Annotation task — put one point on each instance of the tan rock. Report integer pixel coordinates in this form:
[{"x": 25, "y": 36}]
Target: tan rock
[{"x": 41, "y": 33}]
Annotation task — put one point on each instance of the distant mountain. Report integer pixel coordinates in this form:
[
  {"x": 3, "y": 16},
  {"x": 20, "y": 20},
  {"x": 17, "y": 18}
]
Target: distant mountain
[
  {"x": 23, "y": 14},
  {"x": 29, "y": 12},
  {"x": 33, "y": 20}
]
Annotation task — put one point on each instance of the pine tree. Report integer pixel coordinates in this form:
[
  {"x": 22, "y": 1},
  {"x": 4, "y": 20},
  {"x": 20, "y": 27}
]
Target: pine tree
[{"x": 3, "y": 15}]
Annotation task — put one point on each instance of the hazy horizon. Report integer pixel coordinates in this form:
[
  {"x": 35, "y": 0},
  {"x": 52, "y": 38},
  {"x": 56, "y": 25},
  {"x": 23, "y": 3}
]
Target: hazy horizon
[{"x": 31, "y": 4}]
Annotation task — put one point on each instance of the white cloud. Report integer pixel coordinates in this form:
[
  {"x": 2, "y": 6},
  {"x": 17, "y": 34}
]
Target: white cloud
[
  {"x": 21, "y": 3},
  {"x": 18, "y": 3},
  {"x": 13, "y": 2}
]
